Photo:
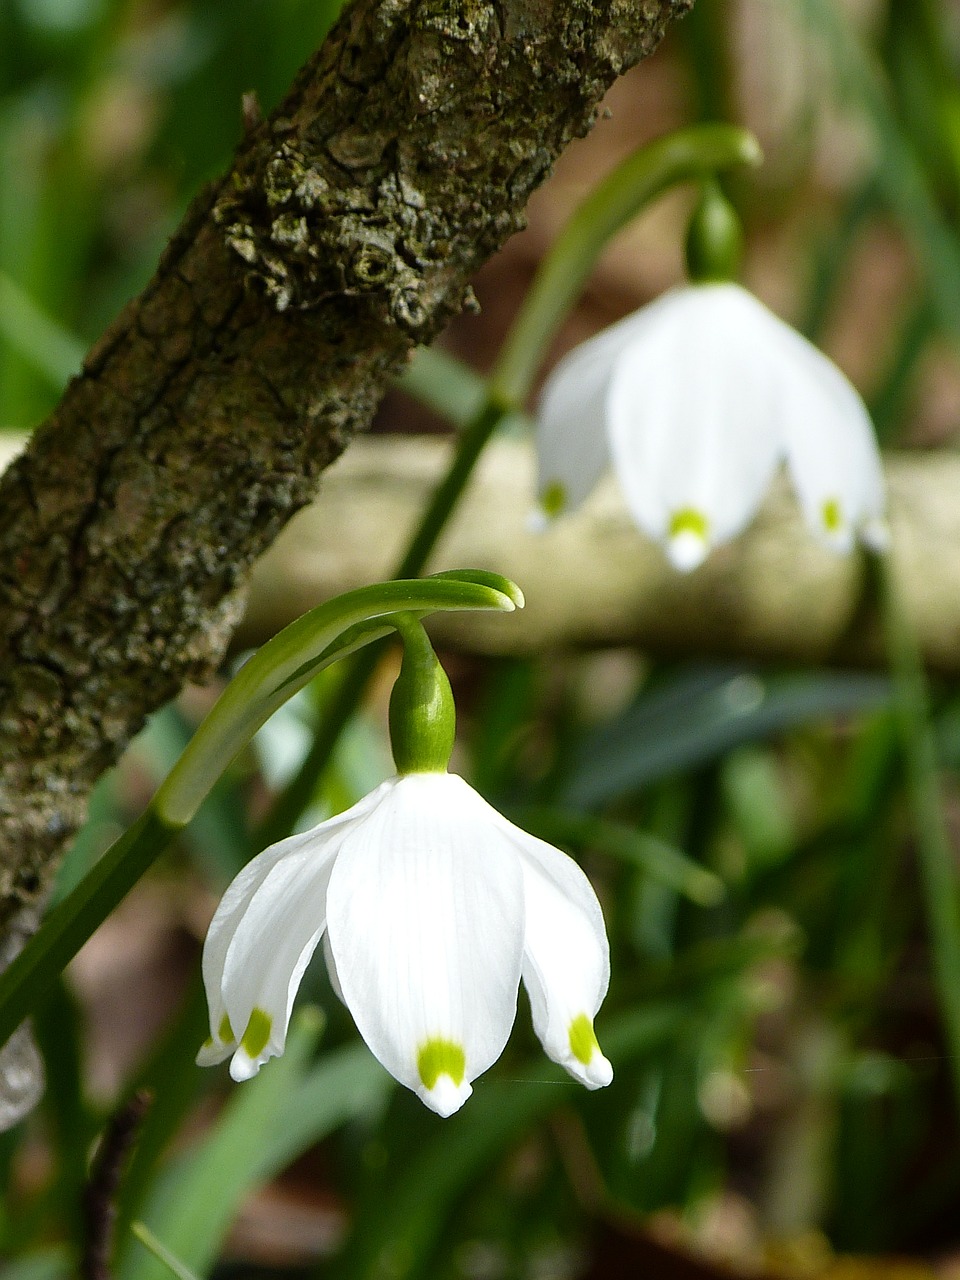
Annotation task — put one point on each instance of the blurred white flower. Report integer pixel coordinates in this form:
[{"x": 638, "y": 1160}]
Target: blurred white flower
[
  {"x": 433, "y": 906},
  {"x": 696, "y": 400}
]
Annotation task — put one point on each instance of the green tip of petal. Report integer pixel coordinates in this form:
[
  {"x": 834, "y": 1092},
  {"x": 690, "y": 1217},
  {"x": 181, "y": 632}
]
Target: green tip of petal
[
  {"x": 257, "y": 1033},
  {"x": 831, "y": 513},
  {"x": 441, "y": 1058},
  {"x": 689, "y": 520},
  {"x": 714, "y": 238},
  {"x": 553, "y": 500},
  {"x": 583, "y": 1039},
  {"x": 225, "y": 1031},
  {"x": 688, "y": 539}
]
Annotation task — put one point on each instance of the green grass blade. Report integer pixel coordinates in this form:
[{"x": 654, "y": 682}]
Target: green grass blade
[
  {"x": 659, "y": 859},
  {"x": 444, "y": 384},
  {"x": 700, "y": 715},
  {"x": 397, "y": 1233},
  {"x": 161, "y": 1252},
  {"x": 28, "y": 330},
  {"x": 195, "y": 1201},
  {"x": 346, "y": 1084},
  {"x": 53, "y": 1263},
  {"x": 900, "y": 173}
]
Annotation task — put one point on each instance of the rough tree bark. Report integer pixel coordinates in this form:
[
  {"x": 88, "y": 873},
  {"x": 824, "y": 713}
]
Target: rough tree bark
[{"x": 346, "y": 232}]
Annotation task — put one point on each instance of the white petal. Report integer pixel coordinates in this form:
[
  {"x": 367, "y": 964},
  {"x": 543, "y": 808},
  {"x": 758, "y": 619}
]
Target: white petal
[
  {"x": 425, "y": 918},
  {"x": 694, "y": 434},
  {"x": 831, "y": 448},
  {"x": 566, "y": 957},
  {"x": 248, "y": 976},
  {"x": 232, "y": 906},
  {"x": 331, "y": 963},
  {"x": 270, "y": 951},
  {"x": 572, "y": 447}
]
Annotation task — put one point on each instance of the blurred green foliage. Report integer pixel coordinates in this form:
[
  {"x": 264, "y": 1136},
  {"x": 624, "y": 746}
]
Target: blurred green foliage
[
  {"x": 112, "y": 113},
  {"x": 778, "y": 1051}
]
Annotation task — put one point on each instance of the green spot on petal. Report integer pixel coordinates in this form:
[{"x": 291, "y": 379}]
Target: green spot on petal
[
  {"x": 689, "y": 520},
  {"x": 441, "y": 1058},
  {"x": 583, "y": 1039},
  {"x": 257, "y": 1033},
  {"x": 554, "y": 498},
  {"x": 832, "y": 515},
  {"x": 225, "y": 1031}
]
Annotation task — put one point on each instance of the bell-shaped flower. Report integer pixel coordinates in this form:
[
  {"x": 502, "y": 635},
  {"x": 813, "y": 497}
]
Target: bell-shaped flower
[
  {"x": 431, "y": 906},
  {"x": 696, "y": 400}
]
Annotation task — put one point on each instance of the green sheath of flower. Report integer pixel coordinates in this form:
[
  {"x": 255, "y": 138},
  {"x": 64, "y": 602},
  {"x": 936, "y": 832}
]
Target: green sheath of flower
[
  {"x": 714, "y": 238},
  {"x": 423, "y": 718}
]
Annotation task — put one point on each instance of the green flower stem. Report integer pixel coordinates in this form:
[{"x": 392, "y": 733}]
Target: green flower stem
[
  {"x": 937, "y": 864},
  {"x": 274, "y": 674},
  {"x": 470, "y": 444},
  {"x": 692, "y": 153}
]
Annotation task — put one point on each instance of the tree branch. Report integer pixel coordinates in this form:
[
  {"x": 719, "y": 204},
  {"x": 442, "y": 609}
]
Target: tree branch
[
  {"x": 775, "y": 594},
  {"x": 346, "y": 232}
]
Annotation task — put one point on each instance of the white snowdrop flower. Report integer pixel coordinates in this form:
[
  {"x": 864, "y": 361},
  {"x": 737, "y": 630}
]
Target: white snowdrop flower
[
  {"x": 696, "y": 400},
  {"x": 432, "y": 906}
]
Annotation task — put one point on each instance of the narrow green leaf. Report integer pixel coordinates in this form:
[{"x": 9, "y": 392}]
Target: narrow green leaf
[
  {"x": 73, "y": 1125},
  {"x": 54, "y": 1263},
  {"x": 397, "y": 1234},
  {"x": 175, "y": 1081},
  {"x": 900, "y": 173},
  {"x": 195, "y": 1201},
  {"x": 444, "y": 384},
  {"x": 940, "y": 884},
  {"x": 161, "y": 1252},
  {"x": 25, "y": 327},
  {"x": 659, "y": 859},
  {"x": 700, "y": 715}
]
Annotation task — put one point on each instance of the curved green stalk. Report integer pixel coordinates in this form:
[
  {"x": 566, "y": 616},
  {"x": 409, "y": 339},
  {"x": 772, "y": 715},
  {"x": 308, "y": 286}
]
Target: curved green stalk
[
  {"x": 274, "y": 674},
  {"x": 293, "y": 657},
  {"x": 938, "y": 874}
]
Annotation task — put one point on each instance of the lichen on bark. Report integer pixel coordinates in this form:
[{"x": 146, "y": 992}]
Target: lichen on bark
[{"x": 345, "y": 233}]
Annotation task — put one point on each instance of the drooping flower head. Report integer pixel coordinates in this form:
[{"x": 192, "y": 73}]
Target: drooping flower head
[
  {"x": 431, "y": 907},
  {"x": 695, "y": 401}
]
